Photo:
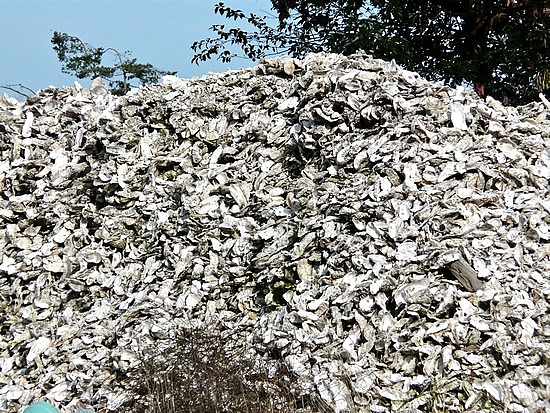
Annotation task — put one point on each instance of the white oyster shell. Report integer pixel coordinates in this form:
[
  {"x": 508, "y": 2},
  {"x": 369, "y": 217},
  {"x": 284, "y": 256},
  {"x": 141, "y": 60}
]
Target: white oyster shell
[{"x": 384, "y": 236}]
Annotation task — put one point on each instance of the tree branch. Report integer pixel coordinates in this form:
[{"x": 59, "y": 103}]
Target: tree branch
[{"x": 21, "y": 87}]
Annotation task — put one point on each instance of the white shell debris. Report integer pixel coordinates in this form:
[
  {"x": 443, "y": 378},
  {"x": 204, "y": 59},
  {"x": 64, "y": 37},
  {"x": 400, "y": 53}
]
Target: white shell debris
[{"x": 386, "y": 236}]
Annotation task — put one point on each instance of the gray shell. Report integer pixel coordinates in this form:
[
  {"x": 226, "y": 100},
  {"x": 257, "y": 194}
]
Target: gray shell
[{"x": 388, "y": 235}]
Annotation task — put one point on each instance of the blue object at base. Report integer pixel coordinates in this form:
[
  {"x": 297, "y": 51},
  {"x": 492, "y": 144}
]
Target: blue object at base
[
  {"x": 41, "y": 407},
  {"x": 45, "y": 407}
]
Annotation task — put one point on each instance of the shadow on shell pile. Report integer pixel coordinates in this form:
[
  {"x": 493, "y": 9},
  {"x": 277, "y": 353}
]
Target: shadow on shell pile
[{"x": 313, "y": 208}]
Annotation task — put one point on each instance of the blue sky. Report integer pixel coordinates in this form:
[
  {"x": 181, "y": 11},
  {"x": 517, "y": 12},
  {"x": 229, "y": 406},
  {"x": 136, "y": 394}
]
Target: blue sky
[{"x": 159, "y": 32}]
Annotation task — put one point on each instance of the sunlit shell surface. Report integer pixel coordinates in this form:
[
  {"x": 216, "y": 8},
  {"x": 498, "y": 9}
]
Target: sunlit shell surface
[{"x": 387, "y": 236}]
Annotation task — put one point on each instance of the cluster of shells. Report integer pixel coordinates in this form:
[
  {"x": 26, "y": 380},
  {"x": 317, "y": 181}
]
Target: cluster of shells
[{"x": 387, "y": 237}]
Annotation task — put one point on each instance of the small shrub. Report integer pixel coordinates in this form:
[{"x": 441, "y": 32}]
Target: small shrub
[{"x": 202, "y": 372}]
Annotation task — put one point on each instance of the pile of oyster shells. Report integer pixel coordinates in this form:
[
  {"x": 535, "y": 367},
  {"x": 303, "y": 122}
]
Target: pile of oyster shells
[{"x": 387, "y": 237}]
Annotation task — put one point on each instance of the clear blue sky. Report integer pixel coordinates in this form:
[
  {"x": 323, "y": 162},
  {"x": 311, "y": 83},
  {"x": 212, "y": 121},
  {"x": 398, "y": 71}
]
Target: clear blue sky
[{"x": 159, "y": 32}]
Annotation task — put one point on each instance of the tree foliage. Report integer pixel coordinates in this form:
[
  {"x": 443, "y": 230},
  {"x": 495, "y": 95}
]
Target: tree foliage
[
  {"x": 501, "y": 47},
  {"x": 86, "y": 61}
]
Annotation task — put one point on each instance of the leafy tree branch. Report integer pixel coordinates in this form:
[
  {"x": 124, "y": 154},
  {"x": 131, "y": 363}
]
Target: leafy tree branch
[
  {"x": 83, "y": 60},
  {"x": 502, "y": 47}
]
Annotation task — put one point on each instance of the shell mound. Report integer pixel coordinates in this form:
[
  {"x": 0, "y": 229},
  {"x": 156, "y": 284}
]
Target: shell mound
[{"x": 387, "y": 237}]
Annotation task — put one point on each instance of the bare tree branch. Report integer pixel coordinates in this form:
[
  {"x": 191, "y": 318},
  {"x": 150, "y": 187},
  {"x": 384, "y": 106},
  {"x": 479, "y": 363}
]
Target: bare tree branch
[{"x": 21, "y": 87}]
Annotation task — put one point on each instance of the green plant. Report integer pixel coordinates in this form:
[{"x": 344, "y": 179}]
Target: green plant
[
  {"x": 86, "y": 61},
  {"x": 501, "y": 48}
]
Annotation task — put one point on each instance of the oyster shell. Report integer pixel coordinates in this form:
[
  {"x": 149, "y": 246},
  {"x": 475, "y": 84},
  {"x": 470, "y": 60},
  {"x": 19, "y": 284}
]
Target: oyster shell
[{"x": 386, "y": 236}]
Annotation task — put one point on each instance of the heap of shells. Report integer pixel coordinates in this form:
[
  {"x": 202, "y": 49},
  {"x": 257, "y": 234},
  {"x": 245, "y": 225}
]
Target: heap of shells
[{"x": 386, "y": 237}]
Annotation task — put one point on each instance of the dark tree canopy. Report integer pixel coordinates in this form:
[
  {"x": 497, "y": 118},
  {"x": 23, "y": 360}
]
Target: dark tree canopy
[
  {"x": 501, "y": 47},
  {"x": 86, "y": 61}
]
